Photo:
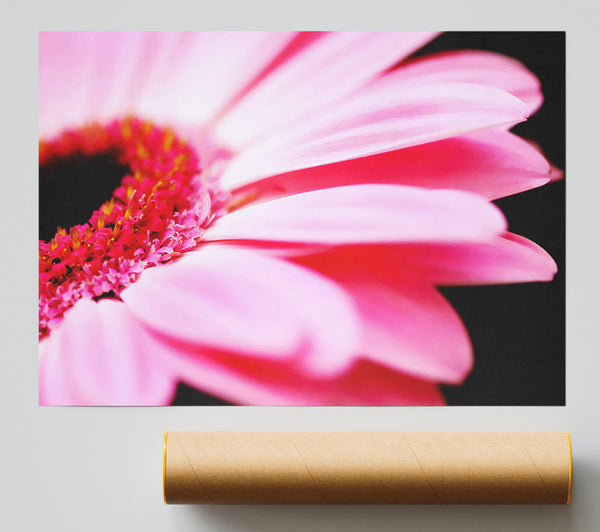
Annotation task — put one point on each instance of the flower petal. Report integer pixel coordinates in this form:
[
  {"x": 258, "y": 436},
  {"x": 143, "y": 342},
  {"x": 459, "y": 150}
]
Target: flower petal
[
  {"x": 471, "y": 66},
  {"x": 507, "y": 258},
  {"x": 99, "y": 355},
  {"x": 63, "y": 57},
  {"x": 245, "y": 380},
  {"x": 412, "y": 329},
  {"x": 233, "y": 299},
  {"x": 319, "y": 75},
  {"x": 406, "y": 324},
  {"x": 377, "y": 121},
  {"x": 172, "y": 76},
  {"x": 364, "y": 213},
  {"x": 196, "y": 80},
  {"x": 492, "y": 163}
]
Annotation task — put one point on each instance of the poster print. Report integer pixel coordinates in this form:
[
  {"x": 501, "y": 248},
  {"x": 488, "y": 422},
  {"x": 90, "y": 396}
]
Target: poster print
[{"x": 301, "y": 219}]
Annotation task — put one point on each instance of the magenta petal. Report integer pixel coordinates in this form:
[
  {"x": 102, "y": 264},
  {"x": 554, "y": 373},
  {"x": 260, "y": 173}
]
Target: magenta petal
[
  {"x": 377, "y": 121},
  {"x": 315, "y": 78},
  {"x": 471, "y": 66},
  {"x": 407, "y": 324},
  {"x": 99, "y": 355},
  {"x": 507, "y": 258},
  {"x": 236, "y": 300},
  {"x": 364, "y": 213},
  {"x": 492, "y": 163},
  {"x": 556, "y": 174},
  {"x": 245, "y": 380},
  {"x": 413, "y": 329}
]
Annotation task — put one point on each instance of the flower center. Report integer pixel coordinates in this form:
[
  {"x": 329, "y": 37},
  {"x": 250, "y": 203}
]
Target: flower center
[
  {"x": 72, "y": 187},
  {"x": 156, "y": 197}
]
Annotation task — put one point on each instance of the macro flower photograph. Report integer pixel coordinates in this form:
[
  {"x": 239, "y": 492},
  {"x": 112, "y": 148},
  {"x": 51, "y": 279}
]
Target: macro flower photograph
[{"x": 301, "y": 218}]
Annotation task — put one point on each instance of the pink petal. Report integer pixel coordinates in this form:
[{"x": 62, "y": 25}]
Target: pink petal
[
  {"x": 376, "y": 121},
  {"x": 313, "y": 79},
  {"x": 301, "y": 40},
  {"x": 165, "y": 76},
  {"x": 407, "y": 324},
  {"x": 471, "y": 66},
  {"x": 99, "y": 355},
  {"x": 205, "y": 71},
  {"x": 412, "y": 329},
  {"x": 492, "y": 163},
  {"x": 64, "y": 79},
  {"x": 250, "y": 381},
  {"x": 364, "y": 213},
  {"x": 95, "y": 76},
  {"x": 556, "y": 174},
  {"x": 120, "y": 70},
  {"x": 233, "y": 299},
  {"x": 508, "y": 258}
]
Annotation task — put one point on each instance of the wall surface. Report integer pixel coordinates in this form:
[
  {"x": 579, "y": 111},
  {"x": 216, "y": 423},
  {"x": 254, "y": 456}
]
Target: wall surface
[{"x": 98, "y": 469}]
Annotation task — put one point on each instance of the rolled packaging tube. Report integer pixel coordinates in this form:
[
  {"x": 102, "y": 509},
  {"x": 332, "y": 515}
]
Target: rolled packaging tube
[{"x": 367, "y": 467}]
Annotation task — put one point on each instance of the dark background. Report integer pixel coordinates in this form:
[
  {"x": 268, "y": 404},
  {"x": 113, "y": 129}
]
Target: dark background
[{"x": 518, "y": 331}]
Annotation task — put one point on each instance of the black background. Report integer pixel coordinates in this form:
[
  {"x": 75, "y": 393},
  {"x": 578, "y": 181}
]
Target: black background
[{"x": 517, "y": 331}]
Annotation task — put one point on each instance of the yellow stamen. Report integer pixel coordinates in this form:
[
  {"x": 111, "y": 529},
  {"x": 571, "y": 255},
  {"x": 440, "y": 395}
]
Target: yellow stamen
[
  {"x": 168, "y": 140},
  {"x": 108, "y": 207},
  {"x": 75, "y": 243}
]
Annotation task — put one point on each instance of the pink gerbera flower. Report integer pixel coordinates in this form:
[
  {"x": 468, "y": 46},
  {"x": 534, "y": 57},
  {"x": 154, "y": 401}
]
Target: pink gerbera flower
[{"x": 280, "y": 208}]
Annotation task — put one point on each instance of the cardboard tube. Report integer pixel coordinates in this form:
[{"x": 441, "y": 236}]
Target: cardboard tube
[{"x": 367, "y": 467}]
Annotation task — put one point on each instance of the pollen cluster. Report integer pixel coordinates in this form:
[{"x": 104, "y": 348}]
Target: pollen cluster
[{"x": 159, "y": 211}]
